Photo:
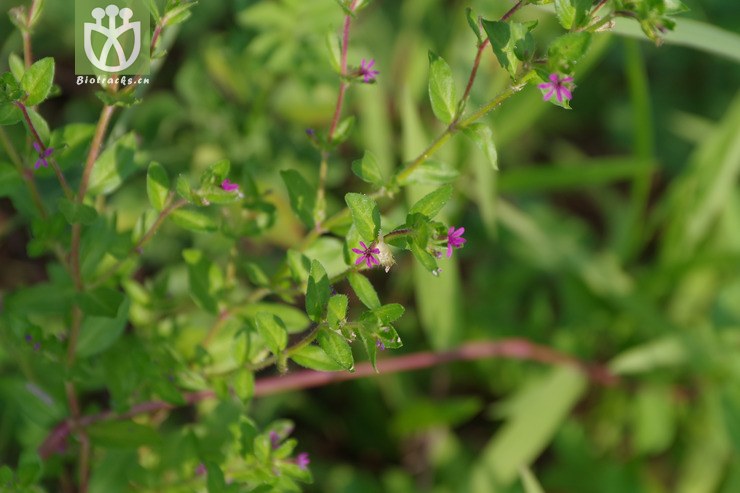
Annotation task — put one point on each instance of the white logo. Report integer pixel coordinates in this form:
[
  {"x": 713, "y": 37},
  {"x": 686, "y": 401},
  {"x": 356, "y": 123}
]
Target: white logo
[{"x": 112, "y": 33}]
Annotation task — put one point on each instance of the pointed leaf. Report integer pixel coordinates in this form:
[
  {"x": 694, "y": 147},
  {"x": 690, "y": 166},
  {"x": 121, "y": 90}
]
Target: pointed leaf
[
  {"x": 272, "y": 330},
  {"x": 367, "y": 169},
  {"x": 442, "y": 91},
  {"x": 364, "y": 290},
  {"x": 365, "y": 215},
  {"x": 317, "y": 292},
  {"x": 430, "y": 205},
  {"x": 157, "y": 185},
  {"x": 302, "y": 196},
  {"x": 37, "y": 81},
  {"x": 337, "y": 348}
]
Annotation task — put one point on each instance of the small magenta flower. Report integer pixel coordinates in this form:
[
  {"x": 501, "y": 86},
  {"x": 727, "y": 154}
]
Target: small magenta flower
[
  {"x": 302, "y": 460},
  {"x": 274, "y": 440},
  {"x": 201, "y": 469},
  {"x": 559, "y": 87},
  {"x": 367, "y": 72},
  {"x": 454, "y": 239},
  {"x": 367, "y": 255},
  {"x": 379, "y": 344},
  {"x": 43, "y": 154},
  {"x": 229, "y": 186}
]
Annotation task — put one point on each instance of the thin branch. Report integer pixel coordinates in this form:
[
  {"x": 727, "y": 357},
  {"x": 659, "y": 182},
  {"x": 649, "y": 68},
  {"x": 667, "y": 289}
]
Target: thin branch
[
  {"x": 37, "y": 138},
  {"x": 26, "y": 174},
  {"x": 343, "y": 72},
  {"x": 142, "y": 242},
  {"x": 515, "y": 348}
]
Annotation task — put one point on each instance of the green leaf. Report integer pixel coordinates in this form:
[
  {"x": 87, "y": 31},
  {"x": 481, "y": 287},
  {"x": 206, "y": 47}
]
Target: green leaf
[
  {"x": 302, "y": 196},
  {"x": 114, "y": 165},
  {"x": 215, "y": 173},
  {"x": 388, "y": 314},
  {"x": 215, "y": 481},
  {"x": 336, "y": 312},
  {"x": 565, "y": 52},
  {"x": 101, "y": 302},
  {"x": 419, "y": 416},
  {"x": 432, "y": 172},
  {"x": 529, "y": 481},
  {"x": 572, "y": 13},
  {"x": 37, "y": 81},
  {"x": 442, "y": 91},
  {"x": 335, "y": 51},
  {"x": 243, "y": 384},
  {"x": 367, "y": 169},
  {"x": 364, "y": 290},
  {"x": 272, "y": 330},
  {"x": 183, "y": 188},
  {"x": 365, "y": 215},
  {"x": 201, "y": 277},
  {"x": 343, "y": 130},
  {"x": 314, "y": 358},
  {"x": 424, "y": 258},
  {"x": 122, "y": 434},
  {"x": 295, "y": 320},
  {"x": 178, "y": 14},
  {"x": 121, "y": 99},
  {"x": 481, "y": 134},
  {"x": 99, "y": 333},
  {"x": 472, "y": 19},
  {"x": 157, "y": 185},
  {"x": 337, "y": 348},
  {"x": 430, "y": 205},
  {"x": 76, "y": 213},
  {"x": 17, "y": 67},
  {"x": 504, "y": 37},
  {"x": 193, "y": 220},
  {"x": 10, "y": 90},
  {"x": 9, "y": 114},
  {"x": 317, "y": 292},
  {"x": 534, "y": 416}
]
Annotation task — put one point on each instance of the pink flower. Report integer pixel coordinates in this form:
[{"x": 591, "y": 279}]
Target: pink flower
[
  {"x": 367, "y": 255},
  {"x": 454, "y": 239},
  {"x": 302, "y": 460},
  {"x": 559, "y": 87},
  {"x": 366, "y": 71},
  {"x": 229, "y": 186}
]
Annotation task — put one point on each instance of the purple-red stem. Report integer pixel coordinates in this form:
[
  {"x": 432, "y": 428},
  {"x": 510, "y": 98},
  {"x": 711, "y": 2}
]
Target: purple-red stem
[
  {"x": 37, "y": 138},
  {"x": 343, "y": 72},
  {"x": 514, "y": 348}
]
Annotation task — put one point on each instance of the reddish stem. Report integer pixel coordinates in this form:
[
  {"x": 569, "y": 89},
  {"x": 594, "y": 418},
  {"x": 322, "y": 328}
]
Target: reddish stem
[
  {"x": 515, "y": 348},
  {"x": 343, "y": 72}
]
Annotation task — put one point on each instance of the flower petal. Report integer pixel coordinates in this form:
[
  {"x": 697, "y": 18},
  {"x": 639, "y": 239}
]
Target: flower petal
[{"x": 360, "y": 260}]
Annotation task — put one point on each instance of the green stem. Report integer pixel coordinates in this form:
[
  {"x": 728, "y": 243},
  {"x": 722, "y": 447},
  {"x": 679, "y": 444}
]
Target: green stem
[
  {"x": 403, "y": 175},
  {"x": 142, "y": 242}
]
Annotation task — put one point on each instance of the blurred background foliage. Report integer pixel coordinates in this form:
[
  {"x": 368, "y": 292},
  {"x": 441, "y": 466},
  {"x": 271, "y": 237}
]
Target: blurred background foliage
[{"x": 611, "y": 233}]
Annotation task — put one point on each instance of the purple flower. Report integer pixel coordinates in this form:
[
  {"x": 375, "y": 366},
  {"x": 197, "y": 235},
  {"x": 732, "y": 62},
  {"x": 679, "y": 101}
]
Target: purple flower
[
  {"x": 302, "y": 460},
  {"x": 201, "y": 469},
  {"x": 43, "y": 154},
  {"x": 274, "y": 440},
  {"x": 454, "y": 239},
  {"x": 228, "y": 186},
  {"x": 379, "y": 344},
  {"x": 560, "y": 87},
  {"x": 310, "y": 132},
  {"x": 367, "y": 72},
  {"x": 367, "y": 255}
]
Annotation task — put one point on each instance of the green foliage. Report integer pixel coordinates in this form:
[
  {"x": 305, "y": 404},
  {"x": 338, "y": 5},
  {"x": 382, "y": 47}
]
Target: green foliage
[
  {"x": 154, "y": 315},
  {"x": 442, "y": 92}
]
